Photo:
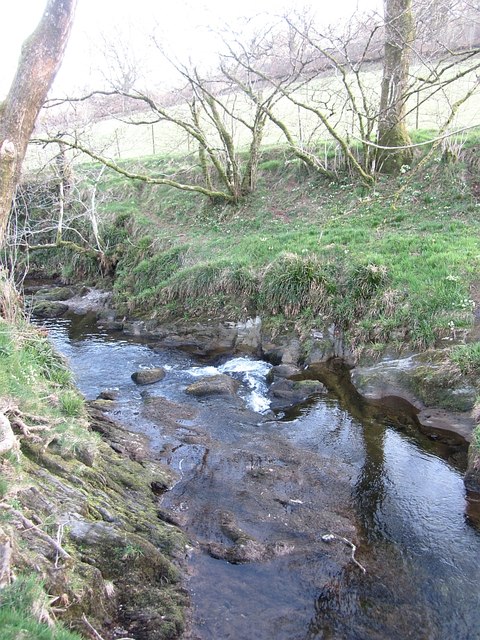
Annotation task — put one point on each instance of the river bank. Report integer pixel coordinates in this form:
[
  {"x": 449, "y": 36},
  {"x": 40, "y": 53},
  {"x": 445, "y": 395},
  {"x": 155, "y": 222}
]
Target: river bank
[{"x": 78, "y": 512}]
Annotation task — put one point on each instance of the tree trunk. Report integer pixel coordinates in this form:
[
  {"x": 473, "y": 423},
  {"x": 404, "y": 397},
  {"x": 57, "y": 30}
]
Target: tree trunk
[
  {"x": 392, "y": 131},
  {"x": 39, "y": 62}
]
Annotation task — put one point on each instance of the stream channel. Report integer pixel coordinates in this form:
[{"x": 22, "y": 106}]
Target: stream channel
[{"x": 280, "y": 483}]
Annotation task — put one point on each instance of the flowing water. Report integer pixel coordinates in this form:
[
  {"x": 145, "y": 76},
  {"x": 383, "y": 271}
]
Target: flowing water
[{"x": 286, "y": 481}]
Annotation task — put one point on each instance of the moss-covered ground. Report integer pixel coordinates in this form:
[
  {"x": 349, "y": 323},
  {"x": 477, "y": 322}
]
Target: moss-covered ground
[{"x": 81, "y": 544}]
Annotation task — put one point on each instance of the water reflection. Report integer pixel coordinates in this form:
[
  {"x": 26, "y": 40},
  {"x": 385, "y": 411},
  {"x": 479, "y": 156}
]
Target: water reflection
[{"x": 403, "y": 491}]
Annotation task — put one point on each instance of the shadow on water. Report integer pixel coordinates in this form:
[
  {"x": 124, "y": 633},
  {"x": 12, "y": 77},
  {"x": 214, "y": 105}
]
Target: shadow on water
[{"x": 411, "y": 523}]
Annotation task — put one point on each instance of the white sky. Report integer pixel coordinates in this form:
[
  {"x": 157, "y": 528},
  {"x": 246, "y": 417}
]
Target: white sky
[{"x": 184, "y": 23}]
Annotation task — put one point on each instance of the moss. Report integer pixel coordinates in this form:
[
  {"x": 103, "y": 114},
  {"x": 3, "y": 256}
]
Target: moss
[{"x": 441, "y": 386}]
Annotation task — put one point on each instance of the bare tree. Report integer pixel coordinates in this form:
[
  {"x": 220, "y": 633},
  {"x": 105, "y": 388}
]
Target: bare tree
[
  {"x": 392, "y": 129},
  {"x": 317, "y": 74},
  {"x": 39, "y": 62},
  {"x": 57, "y": 208},
  {"x": 225, "y": 126}
]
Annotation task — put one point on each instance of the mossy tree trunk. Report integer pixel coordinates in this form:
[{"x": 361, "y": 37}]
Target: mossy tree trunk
[
  {"x": 39, "y": 62},
  {"x": 392, "y": 131}
]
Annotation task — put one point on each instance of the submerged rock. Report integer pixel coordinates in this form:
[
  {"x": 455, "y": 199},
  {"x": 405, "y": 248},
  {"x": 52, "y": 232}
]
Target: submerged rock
[
  {"x": 148, "y": 376},
  {"x": 214, "y": 385},
  {"x": 245, "y": 547},
  {"x": 108, "y": 394},
  {"x": 288, "y": 392}
]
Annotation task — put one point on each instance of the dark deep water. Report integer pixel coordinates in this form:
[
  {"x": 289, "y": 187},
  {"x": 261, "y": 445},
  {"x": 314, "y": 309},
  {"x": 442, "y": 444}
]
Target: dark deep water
[{"x": 292, "y": 479}]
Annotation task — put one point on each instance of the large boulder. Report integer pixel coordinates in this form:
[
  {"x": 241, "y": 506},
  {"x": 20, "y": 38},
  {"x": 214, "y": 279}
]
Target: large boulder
[
  {"x": 214, "y": 385},
  {"x": 148, "y": 376},
  {"x": 94, "y": 300}
]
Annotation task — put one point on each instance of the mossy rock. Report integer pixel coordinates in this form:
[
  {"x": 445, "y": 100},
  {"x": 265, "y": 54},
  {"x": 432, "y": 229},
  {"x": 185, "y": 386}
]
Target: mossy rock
[
  {"x": 49, "y": 309},
  {"x": 143, "y": 577},
  {"x": 472, "y": 476},
  {"x": 442, "y": 387},
  {"x": 56, "y": 293}
]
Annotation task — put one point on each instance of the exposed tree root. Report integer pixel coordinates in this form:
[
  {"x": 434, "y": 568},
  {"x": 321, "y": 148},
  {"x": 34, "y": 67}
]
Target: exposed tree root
[
  {"x": 31, "y": 526},
  {"x": 8, "y": 441},
  {"x": 11, "y": 417}
]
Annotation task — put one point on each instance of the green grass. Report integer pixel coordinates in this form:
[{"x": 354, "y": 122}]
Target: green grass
[
  {"x": 467, "y": 358},
  {"x": 23, "y": 606},
  {"x": 306, "y": 247},
  {"x": 31, "y": 372},
  {"x": 311, "y": 250}
]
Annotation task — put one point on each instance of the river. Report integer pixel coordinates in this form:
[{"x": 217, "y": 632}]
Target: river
[{"x": 285, "y": 481}]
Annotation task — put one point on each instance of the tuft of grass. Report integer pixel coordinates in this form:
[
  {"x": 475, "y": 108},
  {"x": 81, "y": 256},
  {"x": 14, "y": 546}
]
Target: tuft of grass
[
  {"x": 71, "y": 403},
  {"x": 293, "y": 283},
  {"x": 30, "y": 371},
  {"x": 467, "y": 358},
  {"x": 205, "y": 286},
  {"x": 28, "y": 362},
  {"x": 24, "y": 612}
]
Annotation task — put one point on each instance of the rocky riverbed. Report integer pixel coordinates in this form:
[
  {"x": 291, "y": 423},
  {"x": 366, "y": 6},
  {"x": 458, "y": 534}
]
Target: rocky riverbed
[{"x": 257, "y": 492}]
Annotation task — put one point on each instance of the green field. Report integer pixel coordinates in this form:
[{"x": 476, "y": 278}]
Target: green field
[{"x": 113, "y": 138}]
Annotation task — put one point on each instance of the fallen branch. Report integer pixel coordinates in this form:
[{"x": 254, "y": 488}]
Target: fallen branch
[
  {"x": 94, "y": 632},
  {"x": 92, "y": 629},
  {"x": 28, "y": 524},
  {"x": 329, "y": 537}
]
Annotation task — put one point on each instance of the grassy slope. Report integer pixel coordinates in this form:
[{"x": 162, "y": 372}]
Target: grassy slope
[
  {"x": 34, "y": 380},
  {"x": 305, "y": 250}
]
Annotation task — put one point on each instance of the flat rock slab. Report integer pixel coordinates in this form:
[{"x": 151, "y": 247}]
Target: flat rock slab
[
  {"x": 214, "y": 385},
  {"x": 148, "y": 376}
]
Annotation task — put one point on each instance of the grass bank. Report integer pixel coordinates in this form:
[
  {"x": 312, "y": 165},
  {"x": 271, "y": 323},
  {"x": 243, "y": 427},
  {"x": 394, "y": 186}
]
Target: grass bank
[{"x": 304, "y": 252}]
